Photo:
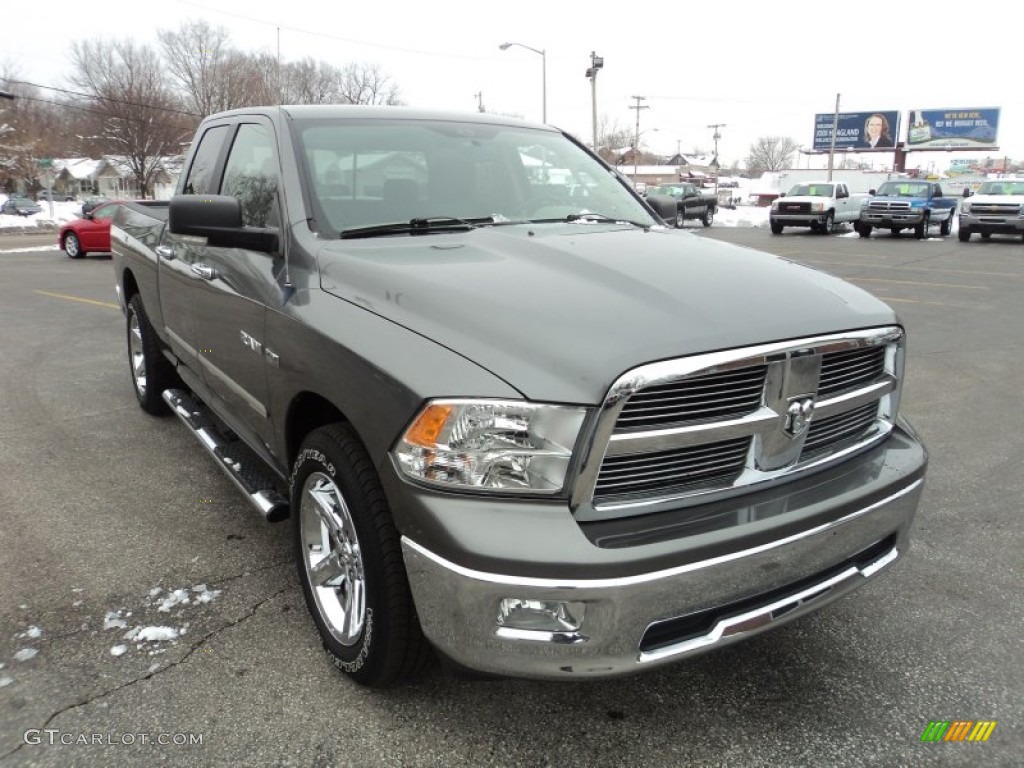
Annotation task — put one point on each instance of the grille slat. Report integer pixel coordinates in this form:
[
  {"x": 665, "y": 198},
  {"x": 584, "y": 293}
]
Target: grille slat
[
  {"x": 846, "y": 370},
  {"x": 826, "y": 433},
  {"x": 716, "y": 395},
  {"x": 687, "y": 466}
]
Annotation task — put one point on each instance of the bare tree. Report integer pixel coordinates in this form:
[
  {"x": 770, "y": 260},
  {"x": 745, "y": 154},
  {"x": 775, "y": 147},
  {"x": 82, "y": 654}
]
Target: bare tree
[
  {"x": 196, "y": 55},
  {"x": 142, "y": 120},
  {"x": 367, "y": 84},
  {"x": 32, "y": 128},
  {"x": 771, "y": 153},
  {"x": 310, "y": 82}
]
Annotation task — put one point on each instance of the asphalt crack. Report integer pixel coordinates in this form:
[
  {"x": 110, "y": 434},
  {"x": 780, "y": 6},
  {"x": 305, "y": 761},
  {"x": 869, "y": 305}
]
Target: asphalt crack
[{"x": 149, "y": 675}]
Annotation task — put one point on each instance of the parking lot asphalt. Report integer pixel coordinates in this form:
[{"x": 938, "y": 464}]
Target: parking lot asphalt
[{"x": 115, "y": 523}]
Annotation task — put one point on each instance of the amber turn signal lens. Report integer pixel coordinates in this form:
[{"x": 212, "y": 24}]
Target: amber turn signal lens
[{"x": 427, "y": 428}]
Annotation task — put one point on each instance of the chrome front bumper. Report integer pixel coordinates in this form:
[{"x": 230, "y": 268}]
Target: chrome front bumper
[{"x": 646, "y": 620}]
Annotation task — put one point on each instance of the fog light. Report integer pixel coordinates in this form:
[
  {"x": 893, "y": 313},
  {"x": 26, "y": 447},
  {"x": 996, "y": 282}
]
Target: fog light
[{"x": 540, "y": 615}]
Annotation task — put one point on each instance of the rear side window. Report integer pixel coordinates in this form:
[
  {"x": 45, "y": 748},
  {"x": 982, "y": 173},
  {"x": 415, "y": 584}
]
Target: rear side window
[{"x": 200, "y": 179}]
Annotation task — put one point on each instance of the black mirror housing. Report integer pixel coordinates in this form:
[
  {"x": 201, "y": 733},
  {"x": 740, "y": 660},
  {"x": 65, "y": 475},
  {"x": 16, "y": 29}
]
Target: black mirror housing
[{"x": 218, "y": 218}]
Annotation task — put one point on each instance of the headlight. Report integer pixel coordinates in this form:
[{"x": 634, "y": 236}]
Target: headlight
[
  {"x": 817, "y": 207},
  {"x": 775, "y": 205},
  {"x": 965, "y": 207},
  {"x": 490, "y": 445}
]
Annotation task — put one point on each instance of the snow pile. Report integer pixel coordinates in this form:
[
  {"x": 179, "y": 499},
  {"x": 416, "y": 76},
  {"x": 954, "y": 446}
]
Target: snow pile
[{"x": 149, "y": 638}]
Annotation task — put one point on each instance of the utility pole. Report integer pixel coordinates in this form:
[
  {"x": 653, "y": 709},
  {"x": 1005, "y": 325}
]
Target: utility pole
[
  {"x": 714, "y": 161},
  {"x": 596, "y": 63},
  {"x": 636, "y": 139},
  {"x": 832, "y": 147},
  {"x": 479, "y": 101}
]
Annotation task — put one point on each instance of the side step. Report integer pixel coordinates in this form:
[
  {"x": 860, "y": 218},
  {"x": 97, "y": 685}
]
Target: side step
[{"x": 241, "y": 464}]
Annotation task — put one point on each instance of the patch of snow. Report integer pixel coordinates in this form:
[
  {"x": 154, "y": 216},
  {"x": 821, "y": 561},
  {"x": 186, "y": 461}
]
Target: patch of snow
[
  {"x": 113, "y": 620},
  {"x": 32, "y": 632},
  {"x": 204, "y": 595},
  {"x": 25, "y": 654},
  {"x": 155, "y": 591},
  {"x": 5, "y": 681},
  {"x": 118, "y": 650},
  {"x": 151, "y": 634},
  {"x": 177, "y": 597},
  {"x": 76, "y": 603}
]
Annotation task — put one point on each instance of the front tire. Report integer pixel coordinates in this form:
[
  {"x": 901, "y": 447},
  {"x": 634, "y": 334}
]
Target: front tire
[
  {"x": 921, "y": 228},
  {"x": 964, "y": 234},
  {"x": 946, "y": 226},
  {"x": 151, "y": 372},
  {"x": 73, "y": 246},
  {"x": 986, "y": 235},
  {"x": 776, "y": 228},
  {"x": 829, "y": 225},
  {"x": 864, "y": 230},
  {"x": 350, "y": 562},
  {"x": 680, "y": 220},
  {"x": 708, "y": 217}
]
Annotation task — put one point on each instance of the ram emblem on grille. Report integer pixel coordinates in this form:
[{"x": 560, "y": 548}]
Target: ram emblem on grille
[{"x": 798, "y": 415}]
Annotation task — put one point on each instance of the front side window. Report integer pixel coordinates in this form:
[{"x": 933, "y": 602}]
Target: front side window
[{"x": 251, "y": 175}]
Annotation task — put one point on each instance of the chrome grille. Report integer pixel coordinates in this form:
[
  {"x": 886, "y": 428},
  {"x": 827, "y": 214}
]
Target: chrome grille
[
  {"x": 995, "y": 209},
  {"x": 854, "y": 368},
  {"x": 888, "y": 205},
  {"x": 826, "y": 434},
  {"x": 715, "y": 462},
  {"x": 696, "y": 429},
  {"x": 794, "y": 207},
  {"x": 717, "y": 395}
]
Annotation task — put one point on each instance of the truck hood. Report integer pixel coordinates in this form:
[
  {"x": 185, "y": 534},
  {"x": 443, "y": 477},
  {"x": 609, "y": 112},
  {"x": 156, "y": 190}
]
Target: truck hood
[
  {"x": 560, "y": 311},
  {"x": 996, "y": 199}
]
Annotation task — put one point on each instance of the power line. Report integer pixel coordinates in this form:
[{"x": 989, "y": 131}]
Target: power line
[{"x": 104, "y": 98}]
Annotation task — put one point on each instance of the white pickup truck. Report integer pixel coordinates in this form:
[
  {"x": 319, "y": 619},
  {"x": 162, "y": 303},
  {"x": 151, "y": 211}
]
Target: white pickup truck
[
  {"x": 996, "y": 208},
  {"x": 819, "y": 205}
]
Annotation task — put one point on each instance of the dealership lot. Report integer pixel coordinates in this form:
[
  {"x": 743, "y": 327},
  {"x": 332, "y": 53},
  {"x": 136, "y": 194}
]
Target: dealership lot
[{"x": 114, "y": 523}]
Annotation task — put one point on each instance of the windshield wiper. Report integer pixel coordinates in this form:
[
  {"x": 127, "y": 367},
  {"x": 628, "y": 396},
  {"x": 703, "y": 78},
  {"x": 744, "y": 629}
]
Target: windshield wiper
[
  {"x": 600, "y": 217},
  {"x": 417, "y": 227}
]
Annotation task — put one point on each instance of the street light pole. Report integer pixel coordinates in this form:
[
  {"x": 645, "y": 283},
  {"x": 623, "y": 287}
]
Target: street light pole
[
  {"x": 543, "y": 73},
  {"x": 596, "y": 63},
  {"x": 716, "y": 136}
]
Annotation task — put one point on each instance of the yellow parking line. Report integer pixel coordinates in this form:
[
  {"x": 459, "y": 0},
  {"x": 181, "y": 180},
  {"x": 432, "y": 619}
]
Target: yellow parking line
[
  {"x": 79, "y": 298},
  {"x": 911, "y": 301},
  {"x": 914, "y": 282}
]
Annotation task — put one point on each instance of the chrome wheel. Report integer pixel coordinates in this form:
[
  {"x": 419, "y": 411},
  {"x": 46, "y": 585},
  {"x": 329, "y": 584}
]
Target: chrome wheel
[
  {"x": 680, "y": 220},
  {"x": 72, "y": 247},
  {"x": 332, "y": 558},
  {"x": 136, "y": 355}
]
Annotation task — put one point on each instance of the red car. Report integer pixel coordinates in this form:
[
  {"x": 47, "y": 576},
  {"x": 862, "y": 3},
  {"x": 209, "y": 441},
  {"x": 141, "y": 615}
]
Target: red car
[{"x": 89, "y": 234}]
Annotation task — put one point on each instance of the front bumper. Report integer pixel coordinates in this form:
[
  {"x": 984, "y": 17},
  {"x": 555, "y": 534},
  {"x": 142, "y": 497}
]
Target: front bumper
[
  {"x": 892, "y": 219},
  {"x": 798, "y": 219},
  {"x": 1000, "y": 225},
  {"x": 811, "y": 543}
]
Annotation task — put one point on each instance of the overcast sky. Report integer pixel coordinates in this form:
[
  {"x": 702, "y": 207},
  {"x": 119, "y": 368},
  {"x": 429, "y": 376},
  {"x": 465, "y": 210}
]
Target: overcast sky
[{"x": 761, "y": 68}]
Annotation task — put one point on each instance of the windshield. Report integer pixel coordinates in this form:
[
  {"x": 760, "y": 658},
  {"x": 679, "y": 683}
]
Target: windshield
[
  {"x": 1002, "y": 188},
  {"x": 672, "y": 191},
  {"x": 371, "y": 172},
  {"x": 903, "y": 189},
  {"x": 811, "y": 190}
]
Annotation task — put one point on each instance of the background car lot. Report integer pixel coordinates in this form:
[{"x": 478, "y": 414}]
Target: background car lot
[{"x": 99, "y": 512}]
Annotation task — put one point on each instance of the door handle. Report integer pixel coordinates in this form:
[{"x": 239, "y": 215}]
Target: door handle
[
  {"x": 204, "y": 271},
  {"x": 165, "y": 252}
]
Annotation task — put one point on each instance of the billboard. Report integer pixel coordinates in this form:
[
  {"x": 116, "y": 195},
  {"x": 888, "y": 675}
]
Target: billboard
[
  {"x": 857, "y": 131},
  {"x": 953, "y": 128}
]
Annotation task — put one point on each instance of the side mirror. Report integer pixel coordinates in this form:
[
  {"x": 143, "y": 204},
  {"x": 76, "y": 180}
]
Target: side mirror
[
  {"x": 967, "y": 191},
  {"x": 871, "y": 192},
  {"x": 782, "y": 194},
  {"x": 664, "y": 206},
  {"x": 218, "y": 218}
]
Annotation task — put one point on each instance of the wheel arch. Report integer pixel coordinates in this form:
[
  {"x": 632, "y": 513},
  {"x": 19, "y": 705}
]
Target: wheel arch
[{"x": 306, "y": 412}]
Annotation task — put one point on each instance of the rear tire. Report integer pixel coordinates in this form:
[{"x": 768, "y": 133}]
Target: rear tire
[
  {"x": 708, "y": 217},
  {"x": 151, "y": 372},
  {"x": 680, "y": 220},
  {"x": 350, "y": 564},
  {"x": 894, "y": 231},
  {"x": 946, "y": 226},
  {"x": 986, "y": 235},
  {"x": 73, "y": 246}
]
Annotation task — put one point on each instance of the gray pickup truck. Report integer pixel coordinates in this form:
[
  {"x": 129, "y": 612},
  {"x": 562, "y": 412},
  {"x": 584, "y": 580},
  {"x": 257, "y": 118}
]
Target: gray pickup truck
[
  {"x": 528, "y": 433},
  {"x": 676, "y": 203}
]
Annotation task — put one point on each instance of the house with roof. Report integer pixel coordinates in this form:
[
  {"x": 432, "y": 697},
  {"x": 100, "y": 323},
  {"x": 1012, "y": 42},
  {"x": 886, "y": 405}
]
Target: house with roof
[{"x": 110, "y": 176}]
